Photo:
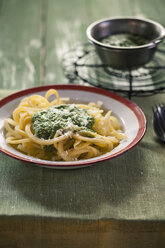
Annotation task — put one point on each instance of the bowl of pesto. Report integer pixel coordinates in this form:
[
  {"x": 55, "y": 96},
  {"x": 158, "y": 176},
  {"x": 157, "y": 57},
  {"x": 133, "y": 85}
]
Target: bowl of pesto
[
  {"x": 125, "y": 42},
  {"x": 68, "y": 126}
]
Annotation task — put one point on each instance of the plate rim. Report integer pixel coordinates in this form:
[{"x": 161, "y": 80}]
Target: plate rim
[{"x": 82, "y": 163}]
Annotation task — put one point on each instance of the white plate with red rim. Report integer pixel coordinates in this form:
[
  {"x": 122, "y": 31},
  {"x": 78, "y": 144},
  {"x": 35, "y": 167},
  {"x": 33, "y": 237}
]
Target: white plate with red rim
[{"x": 129, "y": 114}]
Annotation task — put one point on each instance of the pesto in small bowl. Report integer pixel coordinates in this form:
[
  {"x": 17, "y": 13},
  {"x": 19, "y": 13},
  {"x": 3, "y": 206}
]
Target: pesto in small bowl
[{"x": 124, "y": 40}]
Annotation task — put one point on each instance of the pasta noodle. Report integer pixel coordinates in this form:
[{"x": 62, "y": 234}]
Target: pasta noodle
[{"x": 68, "y": 143}]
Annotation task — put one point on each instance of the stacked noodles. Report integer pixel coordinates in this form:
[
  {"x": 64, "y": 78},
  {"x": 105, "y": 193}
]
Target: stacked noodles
[{"x": 66, "y": 145}]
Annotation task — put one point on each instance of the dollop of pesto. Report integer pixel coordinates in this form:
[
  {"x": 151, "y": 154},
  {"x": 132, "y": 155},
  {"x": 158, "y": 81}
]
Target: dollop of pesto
[
  {"x": 62, "y": 117},
  {"x": 124, "y": 40}
]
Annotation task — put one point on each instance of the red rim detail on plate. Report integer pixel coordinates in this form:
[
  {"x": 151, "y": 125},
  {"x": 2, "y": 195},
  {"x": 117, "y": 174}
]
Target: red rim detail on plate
[{"x": 132, "y": 106}]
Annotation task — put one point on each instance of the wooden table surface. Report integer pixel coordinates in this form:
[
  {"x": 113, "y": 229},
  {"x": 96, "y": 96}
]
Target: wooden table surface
[{"x": 35, "y": 35}]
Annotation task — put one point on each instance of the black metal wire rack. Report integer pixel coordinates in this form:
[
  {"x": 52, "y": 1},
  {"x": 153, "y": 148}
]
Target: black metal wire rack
[{"x": 81, "y": 65}]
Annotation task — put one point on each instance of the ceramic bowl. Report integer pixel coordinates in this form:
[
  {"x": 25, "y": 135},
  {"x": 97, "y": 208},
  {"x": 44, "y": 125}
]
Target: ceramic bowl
[{"x": 129, "y": 114}]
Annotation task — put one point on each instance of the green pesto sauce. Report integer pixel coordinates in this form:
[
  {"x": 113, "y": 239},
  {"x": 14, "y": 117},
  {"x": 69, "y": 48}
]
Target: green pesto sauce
[
  {"x": 62, "y": 117},
  {"x": 124, "y": 40}
]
